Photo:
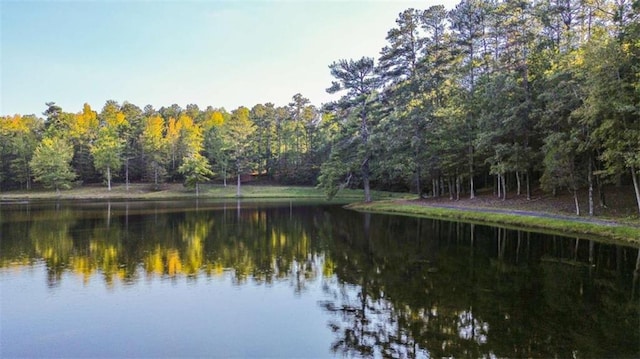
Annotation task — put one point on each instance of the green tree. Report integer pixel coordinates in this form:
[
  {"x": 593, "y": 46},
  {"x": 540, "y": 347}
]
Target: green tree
[
  {"x": 284, "y": 141},
  {"x": 155, "y": 146},
  {"x": 53, "y": 125},
  {"x": 303, "y": 122},
  {"x": 468, "y": 25},
  {"x": 51, "y": 163},
  {"x": 196, "y": 169},
  {"x": 133, "y": 155},
  {"x": 613, "y": 101},
  {"x": 109, "y": 146},
  {"x": 19, "y": 136},
  {"x": 436, "y": 71},
  {"x": 506, "y": 125},
  {"x": 400, "y": 68},
  {"x": 238, "y": 131},
  {"x": 82, "y": 132},
  {"x": 107, "y": 152},
  {"x": 337, "y": 171},
  {"x": 263, "y": 116},
  {"x": 357, "y": 80},
  {"x": 214, "y": 141},
  {"x": 448, "y": 151}
]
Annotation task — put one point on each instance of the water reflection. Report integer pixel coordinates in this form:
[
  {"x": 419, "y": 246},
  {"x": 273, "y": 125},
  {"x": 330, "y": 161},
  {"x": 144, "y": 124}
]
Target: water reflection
[
  {"x": 441, "y": 289},
  {"x": 127, "y": 241},
  {"x": 393, "y": 286}
]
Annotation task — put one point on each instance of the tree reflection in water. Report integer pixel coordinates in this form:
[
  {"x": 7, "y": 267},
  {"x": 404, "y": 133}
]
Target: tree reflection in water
[
  {"x": 420, "y": 288},
  {"x": 394, "y": 286}
]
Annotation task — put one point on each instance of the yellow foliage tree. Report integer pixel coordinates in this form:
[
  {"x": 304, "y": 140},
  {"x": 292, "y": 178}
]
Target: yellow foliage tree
[
  {"x": 154, "y": 144},
  {"x": 85, "y": 125}
]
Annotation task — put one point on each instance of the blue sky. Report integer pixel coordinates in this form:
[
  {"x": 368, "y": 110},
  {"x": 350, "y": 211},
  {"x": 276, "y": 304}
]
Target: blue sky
[{"x": 218, "y": 53}]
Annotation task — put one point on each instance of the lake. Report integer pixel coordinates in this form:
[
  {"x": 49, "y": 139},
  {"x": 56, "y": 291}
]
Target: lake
[{"x": 301, "y": 279}]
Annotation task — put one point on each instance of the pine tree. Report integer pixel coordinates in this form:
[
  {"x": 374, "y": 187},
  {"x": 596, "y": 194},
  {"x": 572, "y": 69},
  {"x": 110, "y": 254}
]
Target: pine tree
[{"x": 358, "y": 82}]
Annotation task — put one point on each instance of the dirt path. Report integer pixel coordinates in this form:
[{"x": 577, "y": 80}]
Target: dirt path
[{"x": 621, "y": 209}]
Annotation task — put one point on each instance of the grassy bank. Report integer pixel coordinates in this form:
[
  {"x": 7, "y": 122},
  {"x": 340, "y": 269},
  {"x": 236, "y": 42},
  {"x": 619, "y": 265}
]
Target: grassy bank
[
  {"x": 627, "y": 233},
  {"x": 169, "y": 191}
]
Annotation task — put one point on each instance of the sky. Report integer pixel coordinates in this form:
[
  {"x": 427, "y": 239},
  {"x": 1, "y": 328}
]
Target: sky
[{"x": 218, "y": 53}]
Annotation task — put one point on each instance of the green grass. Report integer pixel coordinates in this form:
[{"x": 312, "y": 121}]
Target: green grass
[
  {"x": 250, "y": 191},
  {"x": 168, "y": 191},
  {"x": 619, "y": 233}
]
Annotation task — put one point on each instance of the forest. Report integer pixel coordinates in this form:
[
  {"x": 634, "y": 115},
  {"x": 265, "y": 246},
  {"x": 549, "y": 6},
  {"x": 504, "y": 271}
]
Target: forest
[{"x": 510, "y": 95}]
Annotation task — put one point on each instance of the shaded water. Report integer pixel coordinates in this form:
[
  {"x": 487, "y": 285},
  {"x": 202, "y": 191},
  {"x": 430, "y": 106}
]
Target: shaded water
[{"x": 293, "y": 279}]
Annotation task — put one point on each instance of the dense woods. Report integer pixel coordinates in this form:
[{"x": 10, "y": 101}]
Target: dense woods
[{"x": 510, "y": 95}]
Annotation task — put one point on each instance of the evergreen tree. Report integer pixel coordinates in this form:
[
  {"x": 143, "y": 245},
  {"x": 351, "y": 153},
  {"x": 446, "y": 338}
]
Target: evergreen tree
[
  {"x": 238, "y": 131},
  {"x": 358, "y": 82}
]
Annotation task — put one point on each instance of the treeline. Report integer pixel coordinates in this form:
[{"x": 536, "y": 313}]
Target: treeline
[
  {"x": 506, "y": 94},
  {"x": 509, "y": 95},
  {"x": 283, "y": 144}
]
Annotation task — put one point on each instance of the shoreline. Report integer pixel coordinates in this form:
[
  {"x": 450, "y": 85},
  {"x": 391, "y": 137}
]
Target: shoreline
[
  {"x": 168, "y": 191},
  {"x": 517, "y": 219},
  {"x": 146, "y": 191}
]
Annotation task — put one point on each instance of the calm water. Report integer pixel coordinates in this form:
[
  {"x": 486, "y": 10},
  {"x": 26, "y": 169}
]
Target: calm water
[{"x": 214, "y": 279}]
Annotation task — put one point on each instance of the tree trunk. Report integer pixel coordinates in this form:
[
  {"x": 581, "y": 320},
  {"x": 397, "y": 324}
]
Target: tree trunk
[
  {"x": 197, "y": 189},
  {"x": 636, "y": 186},
  {"x": 109, "y": 178},
  {"x": 518, "y": 183},
  {"x": 238, "y": 186},
  {"x": 224, "y": 175},
  {"x": 504, "y": 188},
  {"x": 590, "y": 179},
  {"x": 418, "y": 182},
  {"x": 601, "y": 197},
  {"x": 472, "y": 191},
  {"x": 498, "y": 192},
  {"x": 126, "y": 173},
  {"x": 173, "y": 159},
  {"x": 434, "y": 185},
  {"x": 450, "y": 189},
  {"x": 28, "y": 179},
  {"x": 575, "y": 199},
  {"x": 155, "y": 174},
  {"x": 364, "y": 134},
  {"x": 458, "y": 185},
  {"x": 528, "y": 185}
]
